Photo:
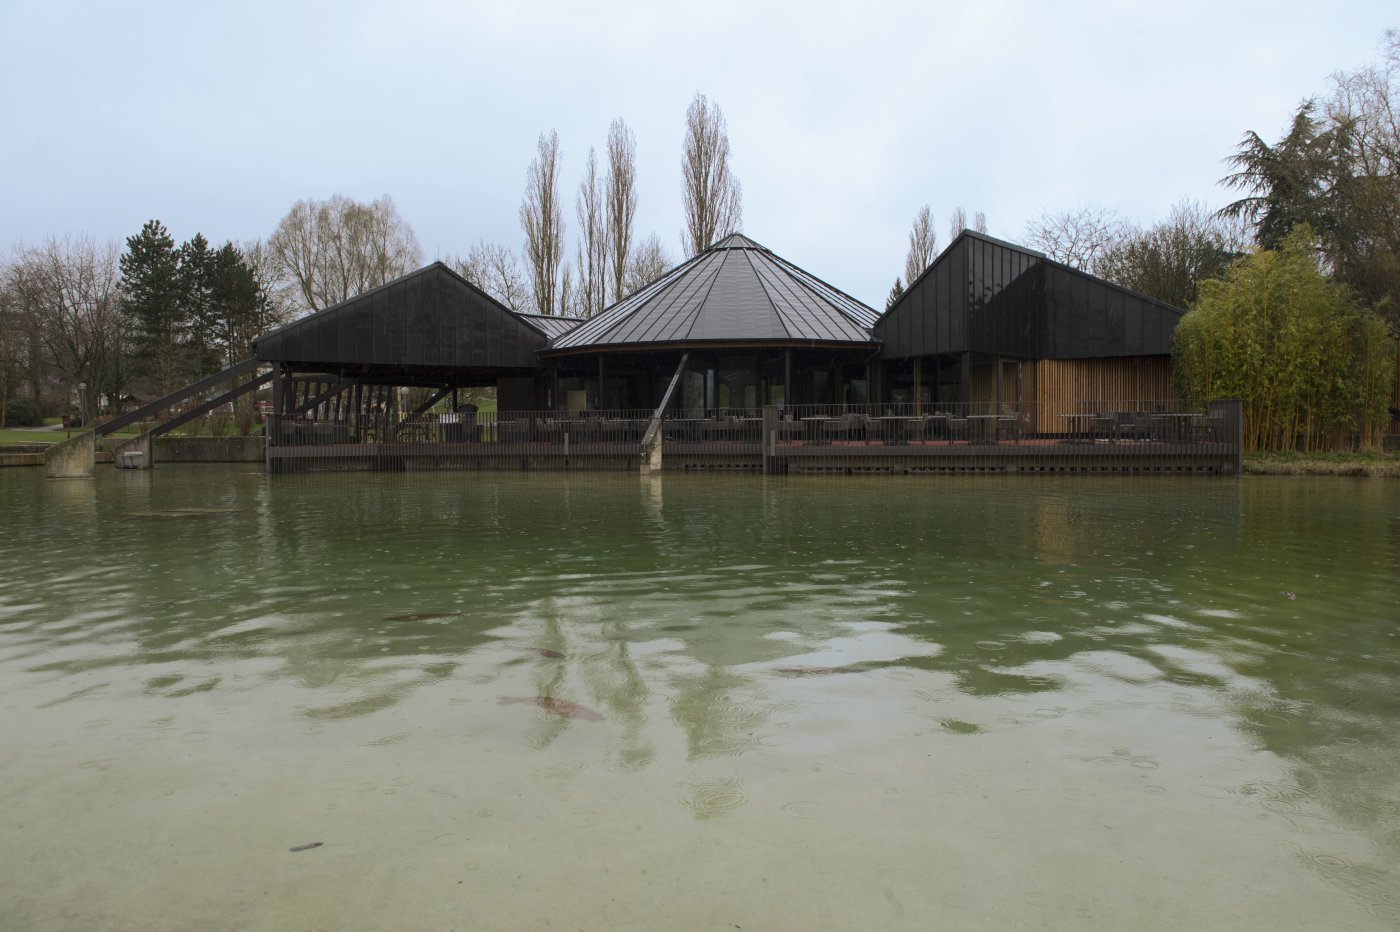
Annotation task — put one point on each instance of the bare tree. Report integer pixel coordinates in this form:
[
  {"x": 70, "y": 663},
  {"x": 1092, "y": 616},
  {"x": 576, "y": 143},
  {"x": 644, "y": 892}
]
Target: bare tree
[
  {"x": 495, "y": 270},
  {"x": 923, "y": 246},
  {"x": 570, "y": 293},
  {"x": 327, "y": 252},
  {"x": 71, "y": 290},
  {"x": 543, "y": 223},
  {"x": 592, "y": 291},
  {"x": 979, "y": 222},
  {"x": 956, "y": 223},
  {"x": 23, "y": 356},
  {"x": 260, "y": 260},
  {"x": 712, "y": 195},
  {"x": 1366, "y": 255},
  {"x": 1169, "y": 260},
  {"x": 647, "y": 263},
  {"x": 1077, "y": 238},
  {"x": 12, "y": 338},
  {"x": 622, "y": 201}
]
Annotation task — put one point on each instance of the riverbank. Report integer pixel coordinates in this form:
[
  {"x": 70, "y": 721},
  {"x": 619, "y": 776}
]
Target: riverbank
[{"x": 1353, "y": 465}]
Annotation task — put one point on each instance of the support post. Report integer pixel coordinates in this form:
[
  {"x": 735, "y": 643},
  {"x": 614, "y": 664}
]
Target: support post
[
  {"x": 787, "y": 378},
  {"x": 75, "y": 458},
  {"x": 918, "y": 386},
  {"x": 651, "y": 440},
  {"x": 135, "y": 453},
  {"x": 770, "y": 439}
]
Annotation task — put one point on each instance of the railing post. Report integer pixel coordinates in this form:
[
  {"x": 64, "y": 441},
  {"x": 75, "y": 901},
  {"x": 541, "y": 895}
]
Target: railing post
[
  {"x": 769, "y": 439},
  {"x": 1232, "y": 434}
]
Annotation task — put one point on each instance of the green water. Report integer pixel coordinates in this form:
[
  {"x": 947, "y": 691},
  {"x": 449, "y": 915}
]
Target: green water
[{"x": 983, "y": 703}]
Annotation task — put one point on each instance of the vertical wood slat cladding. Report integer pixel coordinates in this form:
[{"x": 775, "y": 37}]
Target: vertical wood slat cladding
[
  {"x": 1069, "y": 386},
  {"x": 431, "y": 317}
]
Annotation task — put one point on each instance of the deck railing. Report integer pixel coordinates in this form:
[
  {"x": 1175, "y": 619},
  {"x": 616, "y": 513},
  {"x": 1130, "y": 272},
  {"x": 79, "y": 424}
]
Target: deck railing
[{"x": 1131, "y": 436}]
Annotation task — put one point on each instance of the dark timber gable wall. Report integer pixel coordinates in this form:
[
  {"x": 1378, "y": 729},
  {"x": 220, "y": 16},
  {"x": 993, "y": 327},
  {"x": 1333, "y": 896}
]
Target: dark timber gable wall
[
  {"x": 431, "y": 318},
  {"x": 985, "y": 296}
]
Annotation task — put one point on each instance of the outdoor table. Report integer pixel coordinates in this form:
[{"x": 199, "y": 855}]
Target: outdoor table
[
  {"x": 813, "y": 427},
  {"x": 1176, "y": 427},
  {"x": 899, "y": 429},
  {"x": 748, "y": 429},
  {"x": 683, "y": 428},
  {"x": 789, "y": 430},
  {"x": 987, "y": 427},
  {"x": 1080, "y": 427}
]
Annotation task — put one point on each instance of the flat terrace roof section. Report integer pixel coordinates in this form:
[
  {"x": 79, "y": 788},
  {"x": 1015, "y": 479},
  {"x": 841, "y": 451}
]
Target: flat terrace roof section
[{"x": 423, "y": 328}]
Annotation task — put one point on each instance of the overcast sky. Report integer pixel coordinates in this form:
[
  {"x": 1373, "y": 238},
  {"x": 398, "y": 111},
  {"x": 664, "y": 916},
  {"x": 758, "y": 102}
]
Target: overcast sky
[{"x": 843, "y": 117}]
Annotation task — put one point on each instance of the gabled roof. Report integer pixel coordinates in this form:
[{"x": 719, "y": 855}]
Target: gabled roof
[
  {"x": 429, "y": 319},
  {"x": 985, "y": 295},
  {"x": 736, "y": 292},
  {"x": 1033, "y": 256}
]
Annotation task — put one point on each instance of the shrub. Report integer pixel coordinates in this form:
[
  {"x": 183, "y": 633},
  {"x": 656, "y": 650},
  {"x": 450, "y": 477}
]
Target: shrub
[
  {"x": 21, "y": 412},
  {"x": 219, "y": 423},
  {"x": 245, "y": 415}
]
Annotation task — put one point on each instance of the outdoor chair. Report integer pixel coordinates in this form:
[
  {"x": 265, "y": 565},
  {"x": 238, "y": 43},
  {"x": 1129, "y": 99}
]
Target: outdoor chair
[
  {"x": 1126, "y": 426},
  {"x": 959, "y": 428},
  {"x": 836, "y": 429}
]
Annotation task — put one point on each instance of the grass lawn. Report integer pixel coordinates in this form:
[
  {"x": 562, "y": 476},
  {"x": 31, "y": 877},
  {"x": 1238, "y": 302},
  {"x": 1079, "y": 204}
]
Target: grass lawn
[
  {"x": 1384, "y": 465},
  {"x": 31, "y": 436}
]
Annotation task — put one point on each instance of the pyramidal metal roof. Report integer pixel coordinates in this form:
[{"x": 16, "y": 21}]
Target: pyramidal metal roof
[{"x": 735, "y": 292}]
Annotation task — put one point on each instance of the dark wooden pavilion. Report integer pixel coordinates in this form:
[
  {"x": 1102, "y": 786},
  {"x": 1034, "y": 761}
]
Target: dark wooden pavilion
[
  {"x": 996, "y": 359},
  {"x": 993, "y": 323},
  {"x": 429, "y": 329},
  {"x": 753, "y": 329}
]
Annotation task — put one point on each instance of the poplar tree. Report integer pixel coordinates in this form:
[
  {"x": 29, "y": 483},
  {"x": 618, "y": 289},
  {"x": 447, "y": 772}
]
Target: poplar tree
[
  {"x": 923, "y": 246},
  {"x": 711, "y": 194},
  {"x": 543, "y": 223},
  {"x": 621, "y": 202}
]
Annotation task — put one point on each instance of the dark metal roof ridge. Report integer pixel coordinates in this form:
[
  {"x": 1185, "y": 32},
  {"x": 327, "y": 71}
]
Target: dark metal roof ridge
[
  {"x": 756, "y": 343},
  {"x": 339, "y": 308},
  {"x": 1178, "y": 311},
  {"x": 790, "y": 267},
  {"x": 777, "y": 314},
  {"x": 700, "y": 305},
  {"x": 1040, "y": 256},
  {"x": 651, "y": 288},
  {"x": 746, "y": 242}
]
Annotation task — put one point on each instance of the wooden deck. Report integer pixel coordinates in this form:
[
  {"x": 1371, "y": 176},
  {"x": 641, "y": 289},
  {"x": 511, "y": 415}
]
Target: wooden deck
[{"x": 1029, "y": 455}]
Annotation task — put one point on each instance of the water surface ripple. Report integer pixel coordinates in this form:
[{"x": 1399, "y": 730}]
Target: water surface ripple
[{"x": 600, "y": 701}]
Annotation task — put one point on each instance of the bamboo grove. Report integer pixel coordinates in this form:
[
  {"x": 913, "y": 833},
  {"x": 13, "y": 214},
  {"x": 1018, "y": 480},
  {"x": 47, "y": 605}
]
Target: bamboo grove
[{"x": 1310, "y": 367}]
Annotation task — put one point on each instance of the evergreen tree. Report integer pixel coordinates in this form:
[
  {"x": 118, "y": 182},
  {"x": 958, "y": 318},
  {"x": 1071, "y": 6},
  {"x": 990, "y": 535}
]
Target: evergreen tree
[
  {"x": 896, "y": 293},
  {"x": 239, "y": 309},
  {"x": 196, "y": 277},
  {"x": 152, "y": 307}
]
